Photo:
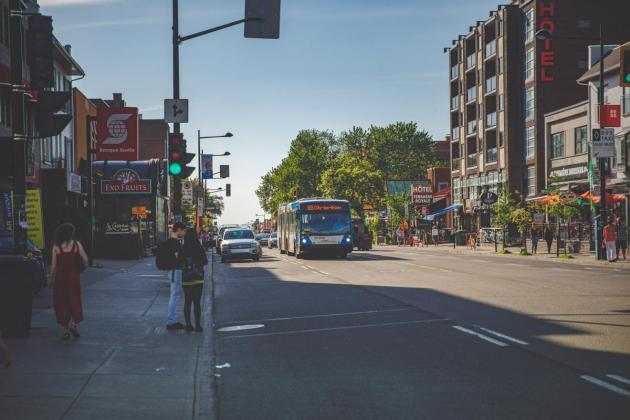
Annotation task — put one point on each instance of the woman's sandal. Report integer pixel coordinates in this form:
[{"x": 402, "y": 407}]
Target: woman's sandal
[
  {"x": 75, "y": 332},
  {"x": 65, "y": 336}
]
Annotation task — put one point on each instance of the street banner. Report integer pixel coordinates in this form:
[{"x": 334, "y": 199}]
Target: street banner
[
  {"x": 422, "y": 194},
  {"x": 117, "y": 134},
  {"x": 35, "y": 231},
  {"x": 206, "y": 167},
  {"x": 126, "y": 181}
]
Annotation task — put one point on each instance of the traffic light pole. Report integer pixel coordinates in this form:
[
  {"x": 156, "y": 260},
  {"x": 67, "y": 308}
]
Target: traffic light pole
[
  {"x": 602, "y": 161},
  {"x": 177, "y": 186}
]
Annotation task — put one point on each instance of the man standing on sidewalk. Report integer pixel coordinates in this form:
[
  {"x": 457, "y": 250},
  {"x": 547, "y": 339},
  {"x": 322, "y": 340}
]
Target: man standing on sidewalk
[
  {"x": 610, "y": 241},
  {"x": 175, "y": 249}
]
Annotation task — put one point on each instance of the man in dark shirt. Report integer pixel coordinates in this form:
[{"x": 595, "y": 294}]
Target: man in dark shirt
[{"x": 175, "y": 247}]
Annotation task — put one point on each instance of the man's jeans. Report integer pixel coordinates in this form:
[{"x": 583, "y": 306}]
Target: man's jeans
[{"x": 176, "y": 293}]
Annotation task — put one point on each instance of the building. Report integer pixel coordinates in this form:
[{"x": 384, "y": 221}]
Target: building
[
  {"x": 153, "y": 138},
  {"x": 503, "y": 80}
]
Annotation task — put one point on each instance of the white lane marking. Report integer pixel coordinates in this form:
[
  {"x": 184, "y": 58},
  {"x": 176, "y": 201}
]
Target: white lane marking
[
  {"x": 240, "y": 327},
  {"x": 483, "y": 337},
  {"x": 349, "y": 327},
  {"x": 506, "y": 337},
  {"x": 606, "y": 385},
  {"x": 224, "y": 365},
  {"x": 374, "y": 311},
  {"x": 151, "y": 275},
  {"x": 427, "y": 267},
  {"x": 619, "y": 378}
]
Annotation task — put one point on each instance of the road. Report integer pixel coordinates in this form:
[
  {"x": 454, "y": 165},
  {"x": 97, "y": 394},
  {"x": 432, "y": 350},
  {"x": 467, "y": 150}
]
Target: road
[{"x": 403, "y": 333}]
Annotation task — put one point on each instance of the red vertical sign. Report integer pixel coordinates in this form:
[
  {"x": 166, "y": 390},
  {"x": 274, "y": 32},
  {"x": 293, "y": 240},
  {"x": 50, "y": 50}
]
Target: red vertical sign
[
  {"x": 117, "y": 134},
  {"x": 546, "y": 19}
]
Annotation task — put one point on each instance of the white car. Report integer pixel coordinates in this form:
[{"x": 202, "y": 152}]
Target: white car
[{"x": 240, "y": 244}]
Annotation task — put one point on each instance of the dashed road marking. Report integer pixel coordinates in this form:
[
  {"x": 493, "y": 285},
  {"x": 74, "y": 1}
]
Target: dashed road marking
[
  {"x": 606, "y": 385},
  {"x": 373, "y": 311},
  {"x": 619, "y": 378},
  {"x": 479, "y": 335},
  {"x": 506, "y": 337}
]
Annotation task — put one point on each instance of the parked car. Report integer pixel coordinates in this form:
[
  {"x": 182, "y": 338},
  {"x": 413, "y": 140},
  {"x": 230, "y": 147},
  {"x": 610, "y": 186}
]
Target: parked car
[
  {"x": 273, "y": 240},
  {"x": 240, "y": 244},
  {"x": 362, "y": 237},
  {"x": 220, "y": 236},
  {"x": 263, "y": 238}
]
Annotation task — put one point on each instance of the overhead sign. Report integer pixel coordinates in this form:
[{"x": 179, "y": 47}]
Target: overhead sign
[
  {"x": 117, "y": 134},
  {"x": 206, "y": 166},
  {"x": 422, "y": 194},
  {"x": 603, "y": 143},
  {"x": 126, "y": 181},
  {"x": 35, "y": 231},
  {"x": 187, "y": 193},
  {"x": 74, "y": 183},
  {"x": 176, "y": 110}
]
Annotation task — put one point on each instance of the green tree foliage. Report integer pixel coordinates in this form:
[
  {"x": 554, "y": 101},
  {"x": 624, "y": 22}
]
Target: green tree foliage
[
  {"x": 522, "y": 218},
  {"x": 503, "y": 210}
]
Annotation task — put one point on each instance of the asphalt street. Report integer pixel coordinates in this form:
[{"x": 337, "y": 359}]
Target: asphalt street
[{"x": 403, "y": 333}]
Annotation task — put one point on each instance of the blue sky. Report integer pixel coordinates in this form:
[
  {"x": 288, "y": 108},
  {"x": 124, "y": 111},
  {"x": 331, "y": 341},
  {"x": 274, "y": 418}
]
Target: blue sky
[{"x": 337, "y": 64}]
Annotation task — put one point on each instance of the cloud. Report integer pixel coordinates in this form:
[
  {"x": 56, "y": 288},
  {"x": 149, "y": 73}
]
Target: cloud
[
  {"x": 147, "y": 20},
  {"x": 61, "y": 3}
]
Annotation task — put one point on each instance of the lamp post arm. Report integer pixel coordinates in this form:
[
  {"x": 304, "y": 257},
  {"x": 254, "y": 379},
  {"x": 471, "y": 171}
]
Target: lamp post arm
[{"x": 216, "y": 28}]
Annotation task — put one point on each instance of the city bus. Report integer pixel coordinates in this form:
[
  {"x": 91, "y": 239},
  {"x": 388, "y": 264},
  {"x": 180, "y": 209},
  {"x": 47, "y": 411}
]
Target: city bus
[{"x": 315, "y": 226}]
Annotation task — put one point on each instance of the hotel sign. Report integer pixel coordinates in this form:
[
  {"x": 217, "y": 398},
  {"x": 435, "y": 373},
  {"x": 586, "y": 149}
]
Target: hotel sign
[
  {"x": 547, "y": 21},
  {"x": 126, "y": 181},
  {"x": 422, "y": 194}
]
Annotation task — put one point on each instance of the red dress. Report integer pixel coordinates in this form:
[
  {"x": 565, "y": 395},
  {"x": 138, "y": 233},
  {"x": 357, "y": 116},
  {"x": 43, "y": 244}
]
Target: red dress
[{"x": 67, "y": 288}]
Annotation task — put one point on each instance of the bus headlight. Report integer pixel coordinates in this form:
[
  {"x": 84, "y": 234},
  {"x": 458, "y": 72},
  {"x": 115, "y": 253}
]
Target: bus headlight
[
  {"x": 304, "y": 240},
  {"x": 348, "y": 239}
]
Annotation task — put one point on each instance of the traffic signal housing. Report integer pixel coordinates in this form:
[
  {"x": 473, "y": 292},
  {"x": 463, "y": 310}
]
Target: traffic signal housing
[
  {"x": 176, "y": 152},
  {"x": 262, "y": 19},
  {"x": 624, "y": 68},
  {"x": 224, "y": 171},
  {"x": 228, "y": 190}
]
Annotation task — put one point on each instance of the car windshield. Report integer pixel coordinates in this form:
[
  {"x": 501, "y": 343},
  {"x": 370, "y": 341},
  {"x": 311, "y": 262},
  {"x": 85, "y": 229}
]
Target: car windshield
[
  {"x": 326, "y": 223},
  {"x": 274, "y": 235},
  {"x": 238, "y": 234}
]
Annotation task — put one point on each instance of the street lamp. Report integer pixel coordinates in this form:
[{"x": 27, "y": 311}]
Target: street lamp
[
  {"x": 199, "y": 138},
  {"x": 544, "y": 34}
]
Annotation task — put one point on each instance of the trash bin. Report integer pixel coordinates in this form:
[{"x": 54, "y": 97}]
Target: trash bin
[
  {"x": 17, "y": 285},
  {"x": 460, "y": 237}
]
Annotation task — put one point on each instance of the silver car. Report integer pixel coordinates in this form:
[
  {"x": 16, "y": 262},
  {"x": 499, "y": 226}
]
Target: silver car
[
  {"x": 272, "y": 242},
  {"x": 240, "y": 244}
]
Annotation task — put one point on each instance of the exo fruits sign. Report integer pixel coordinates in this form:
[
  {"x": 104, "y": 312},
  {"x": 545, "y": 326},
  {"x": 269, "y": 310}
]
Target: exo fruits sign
[
  {"x": 117, "y": 134},
  {"x": 126, "y": 181}
]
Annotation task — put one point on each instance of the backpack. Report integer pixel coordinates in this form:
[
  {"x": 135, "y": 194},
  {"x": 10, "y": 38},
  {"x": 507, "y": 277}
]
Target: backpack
[{"x": 165, "y": 258}]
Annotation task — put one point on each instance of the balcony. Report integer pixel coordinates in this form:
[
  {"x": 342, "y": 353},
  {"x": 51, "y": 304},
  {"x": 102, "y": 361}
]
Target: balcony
[
  {"x": 471, "y": 128},
  {"x": 491, "y": 84},
  {"x": 491, "y": 48},
  {"x": 455, "y": 102},
  {"x": 491, "y": 120},
  {"x": 455, "y": 71},
  {"x": 455, "y": 133},
  {"x": 491, "y": 155},
  {"x": 471, "y": 94},
  {"x": 456, "y": 164},
  {"x": 472, "y": 160},
  {"x": 471, "y": 61}
]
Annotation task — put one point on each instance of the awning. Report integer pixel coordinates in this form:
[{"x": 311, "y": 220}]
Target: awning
[
  {"x": 442, "y": 194},
  {"x": 444, "y": 210},
  {"x": 610, "y": 198}
]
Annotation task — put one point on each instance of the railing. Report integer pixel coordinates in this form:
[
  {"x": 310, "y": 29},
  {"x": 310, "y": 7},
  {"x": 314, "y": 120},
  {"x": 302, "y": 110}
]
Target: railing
[
  {"x": 491, "y": 84},
  {"x": 456, "y": 164},
  {"x": 491, "y": 48},
  {"x": 491, "y": 155},
  {"x": 491, "y": 120},
  {"x": 471, "y": 128},
  {"x": 472, "y": 160},
  {"x": 471, "y": 94},
  {"x": 455, "y": 133},
  {"x": 471, "y": 61},
  {"x": 455, "y": 71},
  {"x": 455, "y": 102}
]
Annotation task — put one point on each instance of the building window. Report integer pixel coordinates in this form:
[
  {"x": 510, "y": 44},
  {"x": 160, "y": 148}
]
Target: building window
[
  {"x": 500, "y": 138},
  {"x": 530, "y": 142},
  {"x": 500, "y": 65},
  {"x": 5, "y": 109},
  {"x": 500, "y": 26},
  {"x": 530, "y": 181},
  {"x": 557, "y": 145},
  {"x": 500, "y": 102},
  {"x": 529, "y": 64},
  {"x": 581, "y": 140},
  {"x": 619, "y": 160},
  {"x": 4, "y": 26},
  {"x": 529, "y": 103},
  {"x": 625, "y": 101},
  {"x": 529, "y": 25}
]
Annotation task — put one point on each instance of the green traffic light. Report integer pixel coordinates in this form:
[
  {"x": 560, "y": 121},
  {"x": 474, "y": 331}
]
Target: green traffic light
[
  {"x": 627, "y": 78},
  {"x": 175, "y": 168}
]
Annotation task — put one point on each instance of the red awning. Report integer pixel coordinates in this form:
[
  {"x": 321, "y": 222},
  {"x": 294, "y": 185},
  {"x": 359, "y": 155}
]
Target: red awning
[
  {"x": 610, "y": 198},
  {"x": 442, "y": 193}
]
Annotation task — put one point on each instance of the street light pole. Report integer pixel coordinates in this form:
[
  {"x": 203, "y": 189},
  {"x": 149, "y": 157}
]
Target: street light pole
[
  {"x": 602, "y": 161},
  {"x": 177, "y": 193}
]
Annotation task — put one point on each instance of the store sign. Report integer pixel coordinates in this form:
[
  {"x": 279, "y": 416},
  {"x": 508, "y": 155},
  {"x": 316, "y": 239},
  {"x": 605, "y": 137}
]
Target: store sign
[
  {"x": 422, "y": 194},
  {"x": 567, "y": 173},
  {"x": 115, "y": 228},
  {"x": 34, "y": 221},
  {"x": 140, "y": 211},
  {"x": 6, "y": 213},
  {"x": 117, "y": 134},
  {"x": 74, "y": 183},
  {"x": 610, "y": 115},
  {"x": 488, "y": 197},
  {"x": 126, "y": 181},
  {"x": 603, "y": 143},
  {"x": 547, "y": 21}
]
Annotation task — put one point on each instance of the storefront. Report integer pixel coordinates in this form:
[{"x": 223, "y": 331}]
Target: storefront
[{"x": 131, "y": 211}]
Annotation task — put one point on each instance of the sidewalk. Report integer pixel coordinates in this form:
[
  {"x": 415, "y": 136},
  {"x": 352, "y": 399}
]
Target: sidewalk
[
  {"x": 488, "y": 249},
  {"x": 124, "y": 366}
]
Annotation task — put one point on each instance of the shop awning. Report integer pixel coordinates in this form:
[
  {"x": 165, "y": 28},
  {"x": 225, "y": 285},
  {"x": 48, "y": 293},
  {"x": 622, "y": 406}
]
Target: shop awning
[
  {"x": 444, "y": 210},
  {"x": 442, "y": 194},
  {"x": 610, "y": 198}
]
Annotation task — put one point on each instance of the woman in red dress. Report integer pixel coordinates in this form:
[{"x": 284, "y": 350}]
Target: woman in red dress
[{"x": 65, "y": 280}]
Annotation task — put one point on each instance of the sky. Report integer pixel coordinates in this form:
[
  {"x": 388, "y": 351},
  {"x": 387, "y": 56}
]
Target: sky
[{"x": 337, "y": 64}]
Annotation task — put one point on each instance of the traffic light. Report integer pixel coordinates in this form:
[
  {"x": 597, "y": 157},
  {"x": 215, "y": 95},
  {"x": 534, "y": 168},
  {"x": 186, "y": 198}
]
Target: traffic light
[
  {"x": 40, "y": 51},
  {"x": 624, "y": 68},
  {"x": 224, "y": 171},
  {"x": 264, "y": 18},
  {"x": 176, "y": 151},
  {"x": 228, "y": 190},
  {"x": 47, "y": 121}
]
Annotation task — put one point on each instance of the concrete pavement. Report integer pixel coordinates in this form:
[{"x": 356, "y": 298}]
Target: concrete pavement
[{"x": 124, "y": 366}]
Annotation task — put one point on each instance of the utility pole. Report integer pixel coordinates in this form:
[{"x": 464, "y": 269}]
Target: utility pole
[
  {"x": 602, "y": 161},
  {"x": 177, "y": 187},
  {"x": 90, "y": 188}
]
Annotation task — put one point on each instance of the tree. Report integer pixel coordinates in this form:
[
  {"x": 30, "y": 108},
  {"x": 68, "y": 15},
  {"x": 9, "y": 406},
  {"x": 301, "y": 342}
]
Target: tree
[
  {"x": 213, "y": 205},
  {"x": 522, "y": 218},
  {"x": 503, "y": 210}
]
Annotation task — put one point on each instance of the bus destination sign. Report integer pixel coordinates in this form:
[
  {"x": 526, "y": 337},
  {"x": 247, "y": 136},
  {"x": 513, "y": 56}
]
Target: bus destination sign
[{"x": 325, "y": 207}]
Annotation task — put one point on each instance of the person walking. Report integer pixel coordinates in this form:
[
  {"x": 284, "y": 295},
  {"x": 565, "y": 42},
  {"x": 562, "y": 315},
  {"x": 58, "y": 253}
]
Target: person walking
[
  {"x": 548, "y": 234},
  {"x": 610, "y": 240},
  {"x": 194, "y": 258},
  {"x": 535, "y": 238},
  {"x": 174, "y": 249},
  {"x": 68, "y": 260},
  {"x": 622, "y": 240},
  {"x": 400, "y": 236}
]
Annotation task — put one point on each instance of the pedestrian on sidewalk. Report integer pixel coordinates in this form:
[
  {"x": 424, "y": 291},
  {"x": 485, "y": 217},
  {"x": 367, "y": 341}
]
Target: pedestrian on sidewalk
[
  {"x": 622, "y": 240},
  {"x": 192, "y": 279},
  {"x": 535, "y": 238},
  {"x": 68, "y": 260},
  {"x": 548, "y": 234},
  {"x": 174, "y": 249},
  {"x": 610, "y": 240},
  {"x": 400, "y": 236}
]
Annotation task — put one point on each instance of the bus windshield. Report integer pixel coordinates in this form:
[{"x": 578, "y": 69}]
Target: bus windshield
[{"x": 326, "y": 223}]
